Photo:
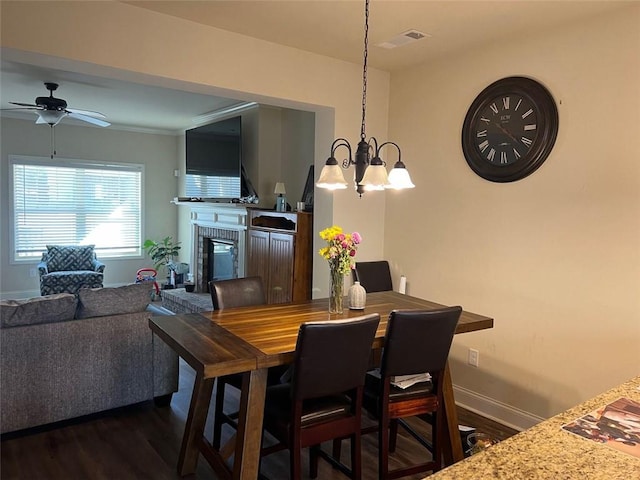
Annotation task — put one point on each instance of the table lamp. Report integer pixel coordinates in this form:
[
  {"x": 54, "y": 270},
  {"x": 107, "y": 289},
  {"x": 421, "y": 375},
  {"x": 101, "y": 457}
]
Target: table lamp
[{"x": 281, "y": 200}]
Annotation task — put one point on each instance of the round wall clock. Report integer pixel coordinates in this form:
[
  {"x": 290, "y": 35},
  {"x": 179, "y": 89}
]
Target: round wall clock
[{"x": 510, "y": 129}]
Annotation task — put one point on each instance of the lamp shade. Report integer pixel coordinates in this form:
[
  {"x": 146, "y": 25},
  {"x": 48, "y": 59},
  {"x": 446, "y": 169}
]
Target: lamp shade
[
  {"x": 52, "y": 117},
  {"x": 279, "y": 190},
  {"x": 399, "y": 178},
  {"x": 331, "y": 177},
  {"x": 375, "y": 177}
]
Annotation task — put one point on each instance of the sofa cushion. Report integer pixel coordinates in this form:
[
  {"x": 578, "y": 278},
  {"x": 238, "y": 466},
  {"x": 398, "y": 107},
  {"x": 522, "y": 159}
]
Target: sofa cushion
[
  {"x": 48, "y": 309},
  {"x": 100, "y": 302},
  {"x": 69, "y": 257}
]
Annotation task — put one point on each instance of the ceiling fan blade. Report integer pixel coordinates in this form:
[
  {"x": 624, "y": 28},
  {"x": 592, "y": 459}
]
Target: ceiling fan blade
[
  {"x": 86, "y": 112},
  {"x": 19, "y": 109},
  {"x": 40, "y": 120},
  {"x": 26, "y": 105},
  {"x": 86, "y": 118}
]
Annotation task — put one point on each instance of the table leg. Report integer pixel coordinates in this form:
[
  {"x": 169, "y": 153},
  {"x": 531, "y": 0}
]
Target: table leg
[
  {"x": 194, "y": 428},
  {"x": 453, "y": 446},
  {"x": 249, "y": 435}
]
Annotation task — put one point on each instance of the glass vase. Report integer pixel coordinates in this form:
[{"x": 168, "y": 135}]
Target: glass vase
[{"x": 336, "y": 291}]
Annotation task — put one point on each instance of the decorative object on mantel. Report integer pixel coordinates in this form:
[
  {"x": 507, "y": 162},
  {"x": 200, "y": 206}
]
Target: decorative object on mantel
[
  {"x": 357, "y": 297},
  {"x": 371, "y": 173},
  {"x": 281, "y": 200},
  {"x": 340, "y": 252},
  {"x": 162, "y": 253}
]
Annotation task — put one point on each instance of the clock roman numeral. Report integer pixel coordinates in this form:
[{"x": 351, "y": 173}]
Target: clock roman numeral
[
  {"x": 481, "y": 133},
  {"x": 530, "y": 127},
  {"x": 483, "y": 146},
  {"x": 516, "y": 154},
  {"x": 491, "y": 155},
  {"x": 526, "y": 141},
  {"x": 527, "y": 113},
  {"x": 505, "y": 103},
  {"x": 503, "y": 157},
  {"x": 485, "y": 120},
  {"x": 518, "y": 104},
  {"x": 494, "y": 108}
]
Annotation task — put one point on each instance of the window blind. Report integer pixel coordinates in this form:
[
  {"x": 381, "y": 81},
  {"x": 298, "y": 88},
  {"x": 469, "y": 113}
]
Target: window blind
[{"x": 68, "y": 202}]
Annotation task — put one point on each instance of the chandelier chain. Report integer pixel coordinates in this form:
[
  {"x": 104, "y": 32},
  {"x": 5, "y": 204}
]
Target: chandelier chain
[{"x": 364, "y": 69}]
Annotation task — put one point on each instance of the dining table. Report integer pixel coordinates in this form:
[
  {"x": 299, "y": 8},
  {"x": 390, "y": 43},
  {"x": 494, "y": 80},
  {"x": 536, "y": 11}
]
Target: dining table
[{"x": 249, "y": 340}]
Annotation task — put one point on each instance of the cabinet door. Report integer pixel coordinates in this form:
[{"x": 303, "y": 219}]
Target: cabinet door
[
  {"x": 281, "y": 250},
  {"x": 258, "y": 257}
]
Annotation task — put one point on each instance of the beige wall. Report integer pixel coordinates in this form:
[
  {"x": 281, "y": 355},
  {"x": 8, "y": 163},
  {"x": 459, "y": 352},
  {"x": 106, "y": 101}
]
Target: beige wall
[{"x": 555, "y": 257}]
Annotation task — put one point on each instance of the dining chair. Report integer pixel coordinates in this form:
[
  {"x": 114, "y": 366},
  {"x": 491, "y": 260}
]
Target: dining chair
[
  {"x": 323, "y": 400},
  {"x": 416, "y": 341},
  {"x": 236, "y": 292},
  {"x": 373, "y": 276}
]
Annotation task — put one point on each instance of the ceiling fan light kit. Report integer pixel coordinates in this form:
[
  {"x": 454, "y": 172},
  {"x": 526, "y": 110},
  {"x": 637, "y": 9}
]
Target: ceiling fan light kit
[{"x": 370, "y": 169}]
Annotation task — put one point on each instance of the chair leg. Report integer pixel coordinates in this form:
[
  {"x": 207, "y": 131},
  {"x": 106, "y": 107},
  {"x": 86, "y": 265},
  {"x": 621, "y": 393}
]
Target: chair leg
[
  {"x": 393, "y": 435},
  {"x": 313, "y": 460},
  {"x": 218, "y": 415},
  {"x": 337, "y": 447},
  {"x": 356, "y": 459},
  {"x": 383, "y": 446}
]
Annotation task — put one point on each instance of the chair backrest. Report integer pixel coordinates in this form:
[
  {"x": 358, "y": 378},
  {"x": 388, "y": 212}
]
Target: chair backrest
[
  {"x": 332, "y": 356},
  {"x": 418, "y": 341},
  {"x": 237, "y": 292},
  {"x": 373, "y": 276},
  {"x": 60, "y": 258}
]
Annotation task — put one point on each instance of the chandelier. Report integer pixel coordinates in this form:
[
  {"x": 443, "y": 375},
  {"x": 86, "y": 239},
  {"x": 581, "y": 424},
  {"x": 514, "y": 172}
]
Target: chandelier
[{"x": 370, "y": 171}]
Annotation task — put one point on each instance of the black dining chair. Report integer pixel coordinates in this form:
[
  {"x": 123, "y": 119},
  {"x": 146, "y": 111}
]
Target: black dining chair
[
  {"x": 416, "y": 341},
  {"x": 324, "y": 398},
  {"x": 373, "y": 276},
  {"x": 237, "y": 292}
]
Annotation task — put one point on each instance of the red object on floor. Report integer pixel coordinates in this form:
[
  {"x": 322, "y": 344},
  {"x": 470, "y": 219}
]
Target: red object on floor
[{"x": 148, "y": 275}]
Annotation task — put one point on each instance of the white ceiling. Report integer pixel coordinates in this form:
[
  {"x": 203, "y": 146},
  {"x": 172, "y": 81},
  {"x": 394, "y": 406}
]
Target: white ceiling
[{"x": 326, "y": 27}]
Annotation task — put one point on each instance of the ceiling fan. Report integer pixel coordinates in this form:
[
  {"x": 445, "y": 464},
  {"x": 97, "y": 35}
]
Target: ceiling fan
[{"x": 51, "y": 110}]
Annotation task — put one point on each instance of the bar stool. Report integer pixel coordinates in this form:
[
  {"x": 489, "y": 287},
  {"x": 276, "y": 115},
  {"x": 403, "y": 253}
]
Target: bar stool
[{"x": 323, "y": 401}]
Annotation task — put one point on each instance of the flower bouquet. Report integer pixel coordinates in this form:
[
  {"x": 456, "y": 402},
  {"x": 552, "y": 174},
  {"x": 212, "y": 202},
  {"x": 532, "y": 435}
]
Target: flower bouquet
[{"x": 340, "y": 252}]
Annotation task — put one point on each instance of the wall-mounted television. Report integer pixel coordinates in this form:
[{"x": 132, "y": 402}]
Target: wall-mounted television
[{"x": 214, "y": 160}]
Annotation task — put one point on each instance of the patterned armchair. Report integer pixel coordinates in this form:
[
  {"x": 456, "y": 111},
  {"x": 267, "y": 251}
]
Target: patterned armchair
[{"x": 68, "y": 268}]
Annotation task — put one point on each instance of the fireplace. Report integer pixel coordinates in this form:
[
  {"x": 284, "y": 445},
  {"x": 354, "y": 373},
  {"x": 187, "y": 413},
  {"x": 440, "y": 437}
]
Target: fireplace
[{"x": 218, "y": 239}]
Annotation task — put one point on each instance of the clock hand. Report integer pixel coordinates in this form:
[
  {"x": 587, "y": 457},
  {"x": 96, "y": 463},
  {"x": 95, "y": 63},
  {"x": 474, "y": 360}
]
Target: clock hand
[{"x": 506, "y": 132}]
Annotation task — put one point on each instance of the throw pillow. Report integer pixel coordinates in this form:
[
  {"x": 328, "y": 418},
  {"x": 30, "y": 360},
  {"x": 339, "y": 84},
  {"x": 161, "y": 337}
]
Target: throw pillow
[
  {"x": 69, "y": 257},
  {"x": 47, "y": 309},
  {"x": 100, "y": 302}
]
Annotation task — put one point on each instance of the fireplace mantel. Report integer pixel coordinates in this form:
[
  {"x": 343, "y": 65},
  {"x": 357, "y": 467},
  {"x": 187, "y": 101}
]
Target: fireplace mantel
[{"x": 228, "y": 219}]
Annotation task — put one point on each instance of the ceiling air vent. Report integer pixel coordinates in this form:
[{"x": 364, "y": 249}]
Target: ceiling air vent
[{"x": 404, "y": 38}]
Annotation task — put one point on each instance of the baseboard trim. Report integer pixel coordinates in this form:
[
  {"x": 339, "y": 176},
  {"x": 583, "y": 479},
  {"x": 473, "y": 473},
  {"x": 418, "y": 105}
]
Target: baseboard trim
[{"x": 495, "y": 410}]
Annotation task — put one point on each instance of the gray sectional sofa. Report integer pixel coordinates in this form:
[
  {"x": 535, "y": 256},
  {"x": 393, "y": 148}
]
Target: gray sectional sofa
[{"x": 63, "y": 356}]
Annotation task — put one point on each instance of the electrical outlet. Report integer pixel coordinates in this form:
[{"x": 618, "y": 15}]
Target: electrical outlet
[
  {"x": 33, "y": 272},
  {"x": 474, "y": 357}
]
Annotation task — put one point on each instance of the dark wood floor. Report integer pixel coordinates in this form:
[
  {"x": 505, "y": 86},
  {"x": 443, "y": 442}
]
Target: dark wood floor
[{"x": 143, "y": 442}]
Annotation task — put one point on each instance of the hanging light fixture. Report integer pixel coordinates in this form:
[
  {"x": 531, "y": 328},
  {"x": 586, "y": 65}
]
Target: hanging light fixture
[{"x": 370, "y": 171}]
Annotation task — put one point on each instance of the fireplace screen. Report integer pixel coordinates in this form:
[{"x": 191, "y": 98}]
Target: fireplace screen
[{"x": 223, "y": 261}]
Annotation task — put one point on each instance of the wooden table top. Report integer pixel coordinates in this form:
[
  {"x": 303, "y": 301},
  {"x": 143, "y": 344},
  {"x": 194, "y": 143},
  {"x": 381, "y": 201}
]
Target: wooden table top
[{"x": 273, "y": 329}]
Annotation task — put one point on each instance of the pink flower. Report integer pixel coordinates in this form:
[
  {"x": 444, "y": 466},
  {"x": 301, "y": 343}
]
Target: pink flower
[
  {"x": 352, "y": 253},
  {"x": 356, "y": 238},
  {"x": 340, "y": 237}
]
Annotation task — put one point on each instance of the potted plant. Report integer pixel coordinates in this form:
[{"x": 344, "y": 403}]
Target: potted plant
[{"x": 162, "y": 253}]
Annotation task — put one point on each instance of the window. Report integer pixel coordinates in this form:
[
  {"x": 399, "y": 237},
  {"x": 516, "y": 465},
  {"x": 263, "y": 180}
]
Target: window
[{"x": 70, "y": 202}]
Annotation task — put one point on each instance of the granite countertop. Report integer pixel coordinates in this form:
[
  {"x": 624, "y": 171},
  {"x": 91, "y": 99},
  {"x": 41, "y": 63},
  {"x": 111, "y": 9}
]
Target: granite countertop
[{"x": 545, "y": 451}]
